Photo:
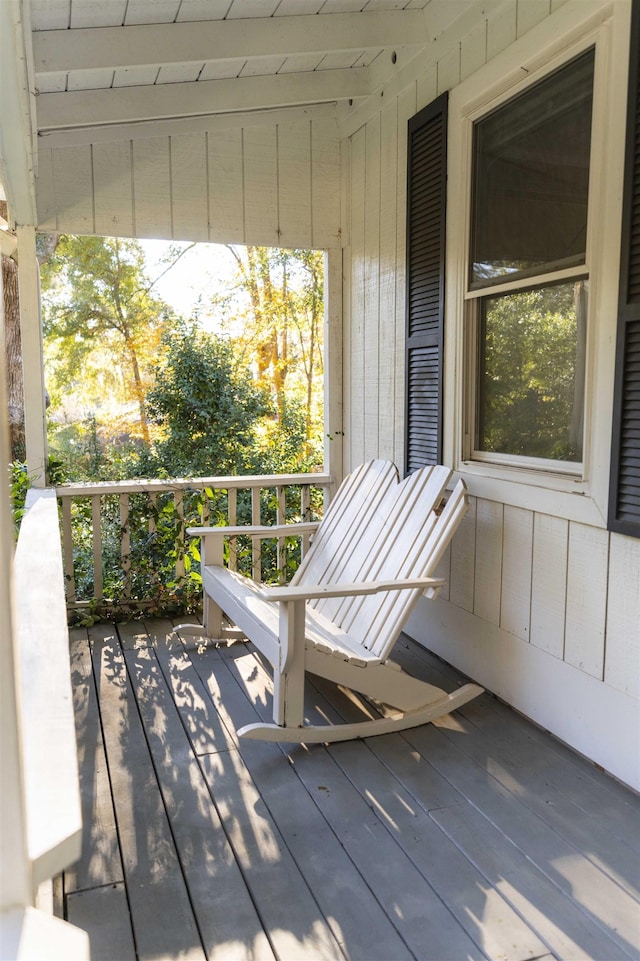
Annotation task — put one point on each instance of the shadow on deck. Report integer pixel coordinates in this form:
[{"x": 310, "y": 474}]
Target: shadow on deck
[{"x": 479, "y": 836}]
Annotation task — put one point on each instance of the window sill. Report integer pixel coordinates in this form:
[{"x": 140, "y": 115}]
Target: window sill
[{"x": 559, "y": 495}]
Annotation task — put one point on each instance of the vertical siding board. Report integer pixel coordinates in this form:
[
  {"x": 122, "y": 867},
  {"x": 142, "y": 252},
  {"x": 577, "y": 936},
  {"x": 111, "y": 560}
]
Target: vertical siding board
[
  {"x": 152, "y": 188},
  {"x": 389, "y": 358},
  {"x": 449, "y": 70},
  {"x": 426, "y": 88},
  {"x": 326, "y": 217},
  {"x": 294, "y": 184},
  {"x": 355, "y": 349},
  {"x": 549, "y": 583},
  {"x": 586, "y": 598},
  {"x": 113, "y": 188},
  {"x": 444, "y": 570},
  {"x": 488, "y": 568},
  {"x": 189, "y": 187},
  {"x": 515, "y": 608},
  {"x": 530, "y": 13},
  {"x": 463, "y": 560},
  {"x": 261, "y": 186},
  {"x": 371, "y": 345},
  {"x": 73, "y": 184},
  {"x": 473, "y": 50},
  {"x": 226, "y": 201},
  {"x": 622, "y": 652},
  {"x": 501, "y": 28},
  {"x": 45, "y": 191}
]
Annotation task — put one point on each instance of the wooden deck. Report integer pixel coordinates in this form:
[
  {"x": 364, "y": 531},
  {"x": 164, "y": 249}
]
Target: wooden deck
[{"x": 476, "y": 837}]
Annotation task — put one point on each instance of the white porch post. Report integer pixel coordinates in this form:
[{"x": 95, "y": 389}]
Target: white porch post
[
  {"x": 35, "y": 425},
  {"x": 16, "y": 888},
  {"x": 333, "y": 405}
]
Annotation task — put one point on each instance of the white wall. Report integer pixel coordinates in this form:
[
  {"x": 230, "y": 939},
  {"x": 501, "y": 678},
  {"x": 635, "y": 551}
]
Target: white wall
[
  {"x": 275, "y": 184},
  {"x": 543, "y": 607}
]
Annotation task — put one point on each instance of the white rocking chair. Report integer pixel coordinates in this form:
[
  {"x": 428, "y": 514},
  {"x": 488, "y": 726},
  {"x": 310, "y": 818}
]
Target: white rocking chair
[{"x": 371, "y": 558}]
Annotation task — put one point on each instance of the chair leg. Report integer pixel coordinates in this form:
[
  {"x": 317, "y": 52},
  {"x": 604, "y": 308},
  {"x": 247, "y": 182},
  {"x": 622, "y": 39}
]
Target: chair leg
[{"x": 288, "y": 677}]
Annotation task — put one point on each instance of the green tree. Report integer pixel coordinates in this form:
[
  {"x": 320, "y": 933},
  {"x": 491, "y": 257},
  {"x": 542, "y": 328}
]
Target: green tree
[
  {"x": 280, "y": 331},
  {"x": 207, "y": 405},
  {"x": 101, "y": 320},
  {"x": 531, "y": 373}
]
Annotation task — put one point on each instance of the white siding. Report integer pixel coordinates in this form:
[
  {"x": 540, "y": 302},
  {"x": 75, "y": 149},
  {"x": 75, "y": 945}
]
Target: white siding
[
  {"x": 536, "y": 594},
  {"x": 271, "y": 184}
]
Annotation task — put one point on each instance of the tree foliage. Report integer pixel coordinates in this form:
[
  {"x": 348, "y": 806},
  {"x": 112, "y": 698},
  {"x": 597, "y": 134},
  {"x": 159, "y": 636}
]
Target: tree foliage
[
  {"x": 102, "y": 323},
  {"x": 207, "y": 405},
  {"x": 531, "y": 369}
]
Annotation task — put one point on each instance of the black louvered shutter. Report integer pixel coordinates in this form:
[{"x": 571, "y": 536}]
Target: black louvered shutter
[
  {"x": 624, "y": 497},
  {"x": 426, "y": 203}
]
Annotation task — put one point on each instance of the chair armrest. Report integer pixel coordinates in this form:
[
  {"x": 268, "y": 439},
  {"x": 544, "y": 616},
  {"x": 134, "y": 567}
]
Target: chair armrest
[
  {"x": 306, "y": 592},
  {"x": 262, "y": 530}
]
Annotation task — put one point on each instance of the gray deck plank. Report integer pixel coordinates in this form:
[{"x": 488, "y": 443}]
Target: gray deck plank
[
  {"x": 269, "y": 869},
  {"x": 597, "y": 794},
  {"x": 569, "y": 932},
  {"x": 479, "y": 836},
  {"x": 100, "y": 861},
  {"x": 162, "y": 917},
  {"x": 383, "y": 770},
  {"x": 600, "y": 897},
  {"x": 227, "y": 919},
  {"x": 424, "y": 921},
  {"x": 341, "y": 893},
  {"x": 104, "y": 914}
]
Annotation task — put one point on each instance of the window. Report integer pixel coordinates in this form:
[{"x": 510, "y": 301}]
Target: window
[{"x": 528, "y": 279}]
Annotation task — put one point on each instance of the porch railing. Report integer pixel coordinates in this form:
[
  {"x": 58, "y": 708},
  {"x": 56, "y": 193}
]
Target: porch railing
[{"x": 125, "y": 546}]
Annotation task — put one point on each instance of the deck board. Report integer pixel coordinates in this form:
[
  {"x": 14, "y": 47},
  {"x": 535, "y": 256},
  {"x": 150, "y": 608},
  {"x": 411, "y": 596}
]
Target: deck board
[{"x": 476, "y": 837}]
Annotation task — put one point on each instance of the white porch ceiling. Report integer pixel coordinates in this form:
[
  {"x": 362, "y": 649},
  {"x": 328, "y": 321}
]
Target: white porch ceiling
[
  {"x": 94, "y": 71},
  {"x": 112, "y": 62}
]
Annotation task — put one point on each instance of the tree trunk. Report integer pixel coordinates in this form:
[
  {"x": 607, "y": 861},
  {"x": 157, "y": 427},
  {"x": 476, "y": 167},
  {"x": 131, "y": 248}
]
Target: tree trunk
[{"x": 13, "y": 351}]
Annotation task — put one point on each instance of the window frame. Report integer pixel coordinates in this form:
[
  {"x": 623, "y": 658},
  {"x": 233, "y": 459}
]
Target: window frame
[{"x": 540, "y": 486}]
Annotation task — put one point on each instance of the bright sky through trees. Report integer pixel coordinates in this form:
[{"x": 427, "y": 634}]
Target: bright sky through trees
[{"x": 190, "y": 283}]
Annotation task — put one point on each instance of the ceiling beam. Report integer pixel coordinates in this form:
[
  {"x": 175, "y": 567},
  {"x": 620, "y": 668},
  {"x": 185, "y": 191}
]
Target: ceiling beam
[
  {"x": 170, "y": 100},
  {"x": 212, "y": 123},
  {"x": 202, "y": 41}
]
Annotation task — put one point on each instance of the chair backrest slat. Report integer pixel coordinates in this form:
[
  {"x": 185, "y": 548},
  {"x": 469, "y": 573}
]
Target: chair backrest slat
[{"x": 379, "y": 529}]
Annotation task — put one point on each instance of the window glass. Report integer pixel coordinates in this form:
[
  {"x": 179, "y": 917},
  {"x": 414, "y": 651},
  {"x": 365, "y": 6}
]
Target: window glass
[
  {"x": 531, "y": 178},
  {"x": 531, "y": 372}
]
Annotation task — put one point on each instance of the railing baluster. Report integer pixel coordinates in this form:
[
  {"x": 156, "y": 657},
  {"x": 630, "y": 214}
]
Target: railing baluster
[
  {"x": 256, "y": 543},
  {"x": 232, "y": 520},
  {"x": 305, "y": 515},
  {"x": 67, "y": 546},
  {"x": 281, "y": 516},
  {"x": 125, "y": 544},
  {"x": 96, "y": 537},
  {"x": 178, "y": 499},
  {"x": 72, "y": 496}
]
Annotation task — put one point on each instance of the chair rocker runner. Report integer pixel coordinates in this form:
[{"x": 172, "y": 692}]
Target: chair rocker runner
[{"x": 371, "y": 558}]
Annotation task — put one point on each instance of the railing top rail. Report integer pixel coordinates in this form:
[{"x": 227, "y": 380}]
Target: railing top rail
[{"x": 190, "y": 483}]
